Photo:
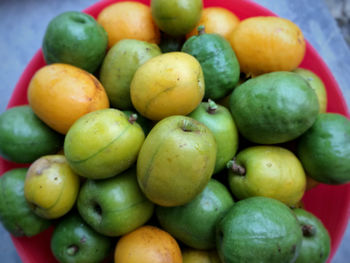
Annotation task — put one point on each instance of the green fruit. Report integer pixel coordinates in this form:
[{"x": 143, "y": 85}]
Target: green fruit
[
  {"x": 24, "y": 137},
  {"x": 274, "y": 108},
  {"x": 169, "y": 43},
  {"x": 316, "y": 243},
  {"x": 15, "y": 213},
  {"x": 200, "y": 256},
  {"x": 258, "y": 229},
  {"x": 194, "y": 222},
  {"x": 114, "y": 206},
  {"x": 317, "y": 85},
  {"x": 220, "y": 122},
  {"x": 75, "y": 38},
  {"x": 176, "y": 17},
  {"x": 145, "y": 123},
  {"x": 119, "y": 67},
  {"x": 73, "y": 241},
  {"x": 103, "y": 143},
  {"x": 176, "y": 161},
  {"x": 218, "y": 61},
  {"x": 268, "y": 171},
  {"x": 324, "y": 149}
]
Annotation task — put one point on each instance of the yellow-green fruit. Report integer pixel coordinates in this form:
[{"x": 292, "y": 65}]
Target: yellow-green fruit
[
  {"x": 51, "y": 187},
  {"x": 268, "y": 171},
  {"x": 200, "y": 256},
  {"x": 176, "y": 161}
]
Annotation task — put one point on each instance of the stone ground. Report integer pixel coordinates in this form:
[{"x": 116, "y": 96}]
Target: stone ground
[{"x": 340, "y": 9}]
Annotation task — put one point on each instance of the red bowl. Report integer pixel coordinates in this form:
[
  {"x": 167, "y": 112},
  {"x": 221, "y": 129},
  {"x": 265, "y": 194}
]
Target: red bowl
[{"x": 330, "y": 203}]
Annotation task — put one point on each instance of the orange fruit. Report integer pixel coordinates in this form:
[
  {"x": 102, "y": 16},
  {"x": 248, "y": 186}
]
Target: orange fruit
[
  {"x": 217, "y": 20},
  {"x": 59, "y": 94},
  {"x": 130, "y": 20},
  {"x": 166, "y": 85},
  {"x": 147, "y": 244},
  {"x": 266, "y": 44}
]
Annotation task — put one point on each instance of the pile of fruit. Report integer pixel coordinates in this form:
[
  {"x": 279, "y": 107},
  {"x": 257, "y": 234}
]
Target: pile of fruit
[{"x": 172, "y": 133}]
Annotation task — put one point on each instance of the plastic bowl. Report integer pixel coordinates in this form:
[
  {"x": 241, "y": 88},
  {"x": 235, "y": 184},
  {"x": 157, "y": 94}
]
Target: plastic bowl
[{"x": 330, "y": 203}]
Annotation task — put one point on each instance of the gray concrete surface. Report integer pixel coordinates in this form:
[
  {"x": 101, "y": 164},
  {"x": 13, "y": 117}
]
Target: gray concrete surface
[{"x": 23, "y": 22}]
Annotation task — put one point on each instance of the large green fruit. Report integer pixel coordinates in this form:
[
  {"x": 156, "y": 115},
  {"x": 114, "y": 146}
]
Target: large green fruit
[
  {"x": 258, "y": 229},
  {"x": 274, "y": 108},
  {"x": 176, "y": 161},
  {"x": 220, "y": 122},
  {"x": 324, "y": 150},
  {"x": 15, "y": 213},
  {"x": 176, "y": 17},
  {"x": 75, "y": 38},
  {"x": 316, "y": 243},
  {"x": 119, "y": 67},
  {"x": 114, "y": 206},
  {"x": 218, "y": 61},
  {"x": 103, "y": 143},
  {"x": 24, "y": 137},
  {"x": 194, "y": 223},
  {"x": 73, "y": 241}
]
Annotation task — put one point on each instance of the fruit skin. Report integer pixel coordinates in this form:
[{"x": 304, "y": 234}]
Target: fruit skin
[
  {"x": 119, "y": 67},
  {"x": 176, "y": 161},
  {"x": 147, "y": 244},
  {"x": 202, "y": 256},
  {"x": 324, "y": 150},
  {"x": 176, "y": 17},
  {"x": 270, "y": 171},
  {"x": 24, "y": 137},
  {"x": 218, "y": 61},
  {"x": 169, "y": 84},
  {"x": 274, "y": 108},
  {"x": 220, "y": 122},
  {"x": 59, "y": 94},
  {"x": 128, "y": 20},
  {"x": 75, "y": 38},
  {"x": 74, "y": 241},
  {"x": 258, "y": 229},
  {"x": 194, "y": 223},
  {"x": 114, "y": 206},
  {"x": 217, "y": 20},
  {"x": 144, "y": 123},
  {"x": 316, "y": 243},
  {"x": 15, "y": 213},
  {"x": 317, "y": 85},
  {"x": 51, "y": 187},
  {"x": 266, "y": 44},
  {"x": 102, "y": 144}
]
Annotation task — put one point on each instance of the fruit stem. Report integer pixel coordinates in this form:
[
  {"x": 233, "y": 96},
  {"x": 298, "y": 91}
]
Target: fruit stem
[
  {"x": 72, "y": 250},
  {"x": 201, "y": 30},
  {"x": 212, "y": 106},
  {"x": 188, "y": 126},
  {"x": 308, "y": 230},
  {"x": 133, "y": 118},
  {"x": 235, "y": 167}
]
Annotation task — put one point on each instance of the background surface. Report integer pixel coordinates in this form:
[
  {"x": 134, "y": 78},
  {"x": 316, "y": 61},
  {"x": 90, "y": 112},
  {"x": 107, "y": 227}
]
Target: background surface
[{"x": 23, "y": 23}]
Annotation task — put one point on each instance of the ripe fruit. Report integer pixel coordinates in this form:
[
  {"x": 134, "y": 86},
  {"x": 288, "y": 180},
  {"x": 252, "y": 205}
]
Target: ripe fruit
[
  {"x": 268, "y": 171},
  {"x": 15, "y": 213},
  {"x": 176, "y": 17},
  {"x": 202, "y": 256},
  {"x": 258, "y": 229},
  {"x": 266, "y": 44},
  {"x": 119, "y": 67},
  {"x": 169, "y": 84},
  {"x": 147, "y": 244},
  {"x": 176, "y": 161},
  {"x": 24, "y": 137},
  {"x": 324, "y": 149},
  {"x": 75, "y": 38},
  {"x": 51, "y": 187},
  {"x": 216, "y": 20},
  {"x": 128, "y": 20},
  {"x": 103, "y": 143},
  {"x": 114, "y": 206},
  {"x": 274, "y": 108},
  {"x": 59, "y": 94}
]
